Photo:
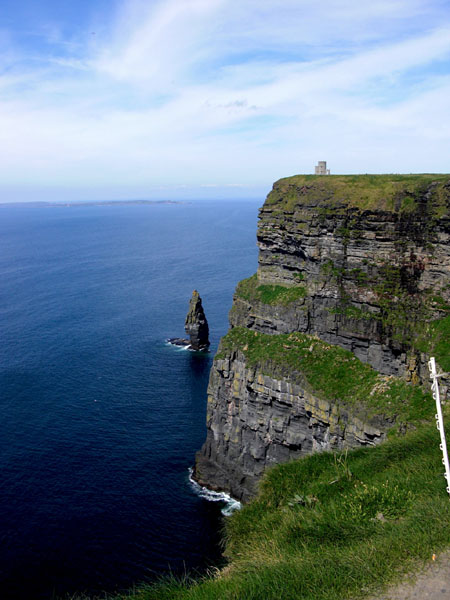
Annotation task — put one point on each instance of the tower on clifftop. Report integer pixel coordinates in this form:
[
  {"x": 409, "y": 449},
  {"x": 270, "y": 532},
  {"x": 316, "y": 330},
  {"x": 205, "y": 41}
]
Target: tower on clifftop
[{"x": 321, "y": 168}]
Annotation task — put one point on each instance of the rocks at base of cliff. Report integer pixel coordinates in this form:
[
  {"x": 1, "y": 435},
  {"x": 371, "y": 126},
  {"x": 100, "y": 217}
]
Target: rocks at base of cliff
[
  {"x": 196, "y": 327},
  {"x": 181, "y": 342}
]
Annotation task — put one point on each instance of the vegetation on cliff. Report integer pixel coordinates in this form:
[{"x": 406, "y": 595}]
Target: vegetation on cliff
[
  {"x": 330, "y": 526},
  {"x": 251, "y": 290},
  {"x": 372, "y": 254},
  {"x": 330, "y": 372},
  {"x": 404, "y": 316},
  {"x": 418, "y": 320},
  {"x": 435, "y": 340},
  {"x": 392, "y": 193}
]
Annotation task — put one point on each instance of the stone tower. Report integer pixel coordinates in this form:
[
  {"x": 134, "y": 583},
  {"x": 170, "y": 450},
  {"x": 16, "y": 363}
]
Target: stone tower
[{"x": 321, "y": 168}]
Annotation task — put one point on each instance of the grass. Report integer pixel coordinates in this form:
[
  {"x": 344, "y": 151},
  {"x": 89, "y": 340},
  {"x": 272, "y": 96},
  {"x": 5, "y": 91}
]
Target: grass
[
  {"x": 435, "y": 341},
  {"x": 399, "y": 193},
  {"x": 330, "y": 372},
  {"x": 330, "y": 526},
  {"x": 248, "y": 289}
]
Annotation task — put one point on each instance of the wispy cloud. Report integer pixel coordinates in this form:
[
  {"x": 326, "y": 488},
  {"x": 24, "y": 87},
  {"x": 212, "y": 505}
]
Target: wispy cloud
[{"x": 173, "y": 93}]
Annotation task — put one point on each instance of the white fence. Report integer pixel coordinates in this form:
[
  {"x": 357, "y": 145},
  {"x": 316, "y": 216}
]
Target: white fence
[{"x": 439, "y": 420}]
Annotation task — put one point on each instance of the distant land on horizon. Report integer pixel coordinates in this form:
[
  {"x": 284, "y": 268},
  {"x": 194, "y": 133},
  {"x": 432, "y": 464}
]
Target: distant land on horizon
[{"x": 91, "y": 203}]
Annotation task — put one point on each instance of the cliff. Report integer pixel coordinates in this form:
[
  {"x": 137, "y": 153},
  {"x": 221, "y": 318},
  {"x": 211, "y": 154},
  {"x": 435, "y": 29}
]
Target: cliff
[{"x": 329, "y": 340}]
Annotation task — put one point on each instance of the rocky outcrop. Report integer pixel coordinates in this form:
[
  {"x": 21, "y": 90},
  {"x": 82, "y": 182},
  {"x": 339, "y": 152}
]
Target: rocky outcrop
[
  {"x": 373, "y": 272},
  {"x": 360, "y": 263},
  {"x": 196, "y": 325},
  {"x": 256, "y": 420}
]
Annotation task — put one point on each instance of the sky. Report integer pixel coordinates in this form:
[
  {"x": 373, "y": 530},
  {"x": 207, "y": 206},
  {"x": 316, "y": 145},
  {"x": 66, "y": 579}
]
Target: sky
[{"x": 124, "y": 99}]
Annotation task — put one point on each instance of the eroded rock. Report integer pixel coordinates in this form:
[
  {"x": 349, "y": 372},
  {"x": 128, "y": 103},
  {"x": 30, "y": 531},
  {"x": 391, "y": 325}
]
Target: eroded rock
[{"x": 196, "y": 325}]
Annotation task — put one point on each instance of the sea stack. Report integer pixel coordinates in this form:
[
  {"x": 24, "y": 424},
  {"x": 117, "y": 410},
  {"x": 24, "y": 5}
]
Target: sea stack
[{"x": 196, "y": 325}]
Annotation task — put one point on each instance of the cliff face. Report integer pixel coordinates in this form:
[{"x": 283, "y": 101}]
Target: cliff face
[
  {"x": 256, "y": 420},
  {"x": 356, "y": 263},
  {"x": 370, "y": 268}
]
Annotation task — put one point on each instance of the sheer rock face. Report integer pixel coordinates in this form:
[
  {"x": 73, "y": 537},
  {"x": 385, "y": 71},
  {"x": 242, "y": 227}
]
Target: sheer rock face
[
  {"x": 255, "y": 421},
  {"x": 196, "y": 325},
  {"x": 372, "y": 258},
  {"x": 367, "y": 272}
]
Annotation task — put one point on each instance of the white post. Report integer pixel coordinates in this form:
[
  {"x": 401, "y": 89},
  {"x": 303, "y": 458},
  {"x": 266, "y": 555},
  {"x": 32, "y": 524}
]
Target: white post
[{"x": 439, "y": 420}]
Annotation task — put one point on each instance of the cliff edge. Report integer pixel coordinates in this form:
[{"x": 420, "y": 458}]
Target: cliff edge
[{"x": 329, "y": 340}]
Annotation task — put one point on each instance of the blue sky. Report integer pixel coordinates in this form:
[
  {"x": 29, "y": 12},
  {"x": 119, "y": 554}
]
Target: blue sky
[{"x": 199, "y": 98}]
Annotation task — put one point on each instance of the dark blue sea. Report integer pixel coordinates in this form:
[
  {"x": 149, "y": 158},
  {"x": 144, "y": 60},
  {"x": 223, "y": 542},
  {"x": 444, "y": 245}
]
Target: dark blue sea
[{"x": 100, "y": 418}]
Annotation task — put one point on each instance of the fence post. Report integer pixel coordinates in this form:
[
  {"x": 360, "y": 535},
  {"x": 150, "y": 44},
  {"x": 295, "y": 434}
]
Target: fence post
[{"x": 439, "y": 419}]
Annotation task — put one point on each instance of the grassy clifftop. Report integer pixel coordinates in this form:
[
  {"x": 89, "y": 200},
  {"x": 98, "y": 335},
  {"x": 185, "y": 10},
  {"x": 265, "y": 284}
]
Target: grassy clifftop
[
  {"x": 331, "y": 526},
  {"x": 250, "y": 289},
  {"x": 393, "y": 193}
]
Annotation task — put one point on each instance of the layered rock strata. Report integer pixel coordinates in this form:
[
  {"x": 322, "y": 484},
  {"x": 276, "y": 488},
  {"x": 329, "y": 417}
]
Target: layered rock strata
[
  {"x": 195, "y": 326},
  {"x": 255, "y": 421},
  {"x": 360, "y": 262},
  {"x": 371, "y": 256}
]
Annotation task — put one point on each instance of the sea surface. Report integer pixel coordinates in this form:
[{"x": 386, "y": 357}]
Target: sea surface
[{"x": 100, "y": 418}]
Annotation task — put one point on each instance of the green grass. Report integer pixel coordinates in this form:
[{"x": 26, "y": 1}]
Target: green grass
[
  {"x": 250, "y": 290},
  {"x": 398, "y": 193},
  {"x": 330, "y": 372},
  {"x": 435, "y": 341},
  {"x": 331, "y": 526}
]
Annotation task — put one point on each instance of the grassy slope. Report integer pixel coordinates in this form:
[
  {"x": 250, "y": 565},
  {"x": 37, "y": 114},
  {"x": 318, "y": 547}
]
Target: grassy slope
[
  {"x": 328, "y": 526},
  {"x": 330, "y": 372}
]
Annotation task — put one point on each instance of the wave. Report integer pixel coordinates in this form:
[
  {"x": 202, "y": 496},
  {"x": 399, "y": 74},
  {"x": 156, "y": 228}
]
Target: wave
[
  {"x": 230, "y": 503},
  {"x": 179, "y": 346}
]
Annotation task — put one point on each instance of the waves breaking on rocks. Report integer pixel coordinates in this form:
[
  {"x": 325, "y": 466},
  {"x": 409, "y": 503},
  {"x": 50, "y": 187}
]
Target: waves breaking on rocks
[{"x": 230, "y": 503}]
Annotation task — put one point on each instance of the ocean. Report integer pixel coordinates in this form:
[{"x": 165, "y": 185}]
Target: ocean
[{"x": 100, "y": 417}]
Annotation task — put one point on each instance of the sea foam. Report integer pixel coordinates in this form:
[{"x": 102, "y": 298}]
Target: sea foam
[{"x": 230, "y": 503}]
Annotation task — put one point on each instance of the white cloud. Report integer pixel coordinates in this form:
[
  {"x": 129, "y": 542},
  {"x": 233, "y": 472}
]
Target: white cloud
[
  {"x": 209, "y": 90},
  {"x": 156, "y": 43}
]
